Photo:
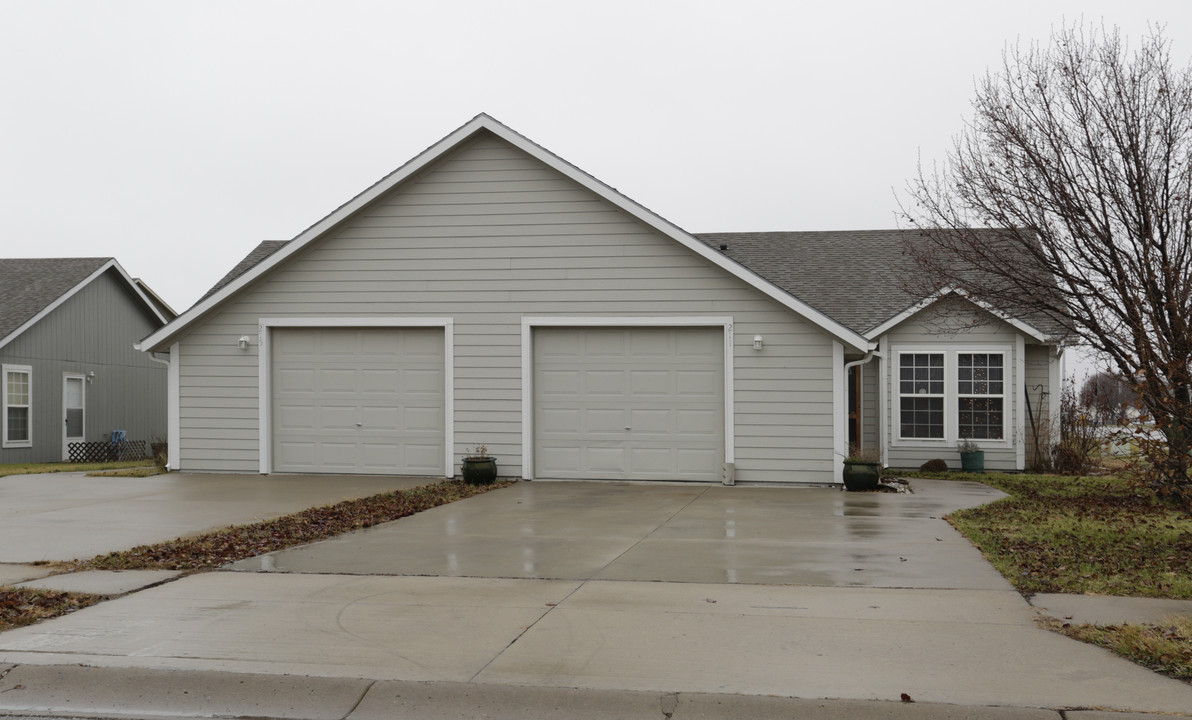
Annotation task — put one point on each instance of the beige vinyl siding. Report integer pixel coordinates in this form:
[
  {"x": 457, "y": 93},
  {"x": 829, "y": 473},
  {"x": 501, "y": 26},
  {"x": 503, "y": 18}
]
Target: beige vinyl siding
[
  {"x": 487, "y": 235},
  {"x": 949, "y": 325},
  {"x": 93, "y": 331}
]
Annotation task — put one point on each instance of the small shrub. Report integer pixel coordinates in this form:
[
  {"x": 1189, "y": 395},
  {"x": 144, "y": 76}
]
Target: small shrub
[{"x": 936, "y": 465}]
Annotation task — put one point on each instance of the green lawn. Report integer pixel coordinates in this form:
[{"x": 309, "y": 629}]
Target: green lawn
[
  {"x": 1094, "y": 535},
  {"x": 34, "y": 468}
]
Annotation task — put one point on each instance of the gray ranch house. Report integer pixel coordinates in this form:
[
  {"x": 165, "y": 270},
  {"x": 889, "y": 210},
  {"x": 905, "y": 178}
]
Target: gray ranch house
[
  {"x": 70, "y": 371},
  {"x": 489, "y": 292}
]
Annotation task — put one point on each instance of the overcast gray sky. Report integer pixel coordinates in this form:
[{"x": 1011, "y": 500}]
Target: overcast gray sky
[{"x": 176, "y": 135}]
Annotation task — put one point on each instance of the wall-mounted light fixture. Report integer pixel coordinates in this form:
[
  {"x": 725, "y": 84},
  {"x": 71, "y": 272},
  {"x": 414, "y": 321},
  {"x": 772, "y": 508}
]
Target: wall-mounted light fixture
[
  {"x": 90, "y": 377},
  {"x": 757, "y": 342},
  {"x": 242, "y": 343}
]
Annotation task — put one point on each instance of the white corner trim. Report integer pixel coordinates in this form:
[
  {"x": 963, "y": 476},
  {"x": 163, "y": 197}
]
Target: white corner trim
[
  {"x": 174, "y": 409},
  {"x": 527, "y": 371},
  {"x": 898, "y": 319},
  {"x": 883, "y": 415},
  {"x": 4, "y": 370},
  {"x": 265, "y": 390},
  {"x": 839, "y": 412},
  {"x": 1020, "y": 390},
  {"x": 439, "y": 149}
]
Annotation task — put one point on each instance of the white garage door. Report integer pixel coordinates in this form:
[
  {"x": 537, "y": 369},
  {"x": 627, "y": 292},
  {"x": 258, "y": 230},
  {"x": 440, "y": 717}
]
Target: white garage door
[
  {"x": 629, "y": 403},
  {"x": 358, "y": 400}
]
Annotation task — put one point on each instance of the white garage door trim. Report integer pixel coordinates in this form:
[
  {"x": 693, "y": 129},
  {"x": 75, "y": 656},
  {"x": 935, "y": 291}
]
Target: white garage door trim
[
  {"x": 529, "y": 323},
  {"x": 265, "y": 390}
]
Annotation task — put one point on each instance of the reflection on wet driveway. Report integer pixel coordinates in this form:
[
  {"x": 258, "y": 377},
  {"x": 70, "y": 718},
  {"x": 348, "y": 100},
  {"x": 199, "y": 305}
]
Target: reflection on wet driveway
[{"x": 674, "y": 533}]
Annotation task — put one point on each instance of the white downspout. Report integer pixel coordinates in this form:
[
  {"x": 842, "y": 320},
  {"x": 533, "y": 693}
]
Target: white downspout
[{"x": 860, "y": 396}]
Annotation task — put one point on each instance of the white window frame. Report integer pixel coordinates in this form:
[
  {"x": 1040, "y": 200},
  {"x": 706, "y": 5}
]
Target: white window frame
[
  {"x": 1010, "y": 379},
  {"x": 1003, "y": 396},
  {"x": 943, "y": 396},
  {"x": 4, "y": 405}
]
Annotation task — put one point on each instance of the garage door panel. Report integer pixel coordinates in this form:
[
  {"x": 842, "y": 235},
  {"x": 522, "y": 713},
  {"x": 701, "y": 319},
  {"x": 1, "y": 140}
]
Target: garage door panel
[
  {"x": 696, "y": 460},
  {"x": 656, "y": 383},
  {"x": 631, "y": 405},
  {"x": 353, "y": 400},
  {"x": 652, "y": 420},
  {"x": 698, "y": 384}
]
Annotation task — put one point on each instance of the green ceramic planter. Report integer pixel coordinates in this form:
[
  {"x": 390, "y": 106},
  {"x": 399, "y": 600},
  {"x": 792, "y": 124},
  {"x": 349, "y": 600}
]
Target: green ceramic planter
[
  {"x": 861, "y": 476},
  {"x": 478, "y": 471}
]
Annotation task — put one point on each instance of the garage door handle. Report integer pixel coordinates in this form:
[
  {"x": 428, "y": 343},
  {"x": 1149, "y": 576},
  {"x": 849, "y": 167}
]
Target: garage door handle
[
  {"x": 628, "y": 428},
  {"x": 359, "y": 424}
]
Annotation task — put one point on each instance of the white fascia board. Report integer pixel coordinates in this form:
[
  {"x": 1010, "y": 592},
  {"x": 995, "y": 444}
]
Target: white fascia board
[
  {"x": 110, "y": 264},
  {"x": 1025, "y": 328},
  {"x": 434, "y": 152}
]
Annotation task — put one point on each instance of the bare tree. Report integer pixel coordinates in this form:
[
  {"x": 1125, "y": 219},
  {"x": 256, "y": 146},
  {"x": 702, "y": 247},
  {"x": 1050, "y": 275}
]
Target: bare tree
[
  {"x": 1108, "y": 394},
  {"x": 1082, "y": 151}
]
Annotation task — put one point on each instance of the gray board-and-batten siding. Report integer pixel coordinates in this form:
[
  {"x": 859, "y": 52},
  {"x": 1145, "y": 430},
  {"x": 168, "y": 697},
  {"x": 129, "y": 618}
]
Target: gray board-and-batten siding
[
  {"x": 92, "y": 331},
  {"x": 486, "y": 235}
]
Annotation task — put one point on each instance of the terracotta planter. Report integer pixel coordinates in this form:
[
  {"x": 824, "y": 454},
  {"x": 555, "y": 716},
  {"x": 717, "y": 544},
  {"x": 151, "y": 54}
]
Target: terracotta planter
[
  {"x": 861, "y": 476},
  {"x": 478, "y": 470}
]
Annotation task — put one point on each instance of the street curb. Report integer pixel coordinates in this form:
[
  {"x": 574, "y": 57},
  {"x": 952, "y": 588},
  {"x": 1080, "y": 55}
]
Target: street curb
[{"x": 81, "y": 691}]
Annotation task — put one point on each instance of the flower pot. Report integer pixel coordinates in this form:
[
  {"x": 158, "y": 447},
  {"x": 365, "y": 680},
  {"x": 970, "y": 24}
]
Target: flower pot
[
  {"x": 478, "y": 470},
  {"x": 973, "y": 461},
  {"x": 861, "y": 476}
]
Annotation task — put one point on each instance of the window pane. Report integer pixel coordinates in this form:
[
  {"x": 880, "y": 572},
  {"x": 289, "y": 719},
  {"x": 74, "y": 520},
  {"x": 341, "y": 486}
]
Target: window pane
[
  {"x": 18, "y": 424},
  {"x": 922, "y": 417},
  {"x": 18, "y": 388},
  {"x": 980, "y": 418}
]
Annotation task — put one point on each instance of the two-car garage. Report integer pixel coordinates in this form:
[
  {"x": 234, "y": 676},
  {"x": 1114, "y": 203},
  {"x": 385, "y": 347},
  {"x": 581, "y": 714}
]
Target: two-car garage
[{"x": 607, "y": 402}]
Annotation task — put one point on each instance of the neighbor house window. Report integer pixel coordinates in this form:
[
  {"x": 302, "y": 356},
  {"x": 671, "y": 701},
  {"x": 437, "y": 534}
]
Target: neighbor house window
[
  {"x": 980, "y": 396},
  {"x": 18, "y": 402},
  {"x": 921, "y": 391}
]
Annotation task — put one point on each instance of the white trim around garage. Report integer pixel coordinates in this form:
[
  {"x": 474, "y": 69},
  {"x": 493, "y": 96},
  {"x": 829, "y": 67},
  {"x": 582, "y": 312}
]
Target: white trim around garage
[
  {"x": 174, "y": 409},
  {"x": 265, "y": 393},
  {"x": 840, "y": 411},
  {"x": 529, "y": 323}
]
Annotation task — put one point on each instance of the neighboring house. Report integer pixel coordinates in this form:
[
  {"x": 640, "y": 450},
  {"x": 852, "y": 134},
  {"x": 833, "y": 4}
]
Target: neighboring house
[
  {"x": 69, "y": 369},
  {"x": 488, "y": 292}
]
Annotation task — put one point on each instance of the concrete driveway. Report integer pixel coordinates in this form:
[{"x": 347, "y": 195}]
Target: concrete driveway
[
  {"x": 626, "y": 587},
  {"x": 672, "y": 533},
  {"x": 63, "y": 516}
]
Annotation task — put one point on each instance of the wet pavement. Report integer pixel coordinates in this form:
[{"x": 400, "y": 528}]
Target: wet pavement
[
  {"x": 63, "y": 516},
  {"x": 607, "y": 587},
  {"x": 672, "y": 533}
]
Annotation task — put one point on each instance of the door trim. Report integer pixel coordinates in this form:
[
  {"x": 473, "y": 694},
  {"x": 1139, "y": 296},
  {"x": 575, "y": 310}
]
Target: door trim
[
  {"x": 66, "y": 378},
  {"x": 527, "y": 352},
  {"x": 265, "y": 389}
]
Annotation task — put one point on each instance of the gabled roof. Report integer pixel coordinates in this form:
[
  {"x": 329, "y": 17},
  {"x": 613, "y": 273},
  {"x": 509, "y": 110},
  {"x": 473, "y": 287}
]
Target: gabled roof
[
  {"x": 853, "y": 276},
  {"x": 482, "y": 123},
  {"x": 30, "y": 288}
]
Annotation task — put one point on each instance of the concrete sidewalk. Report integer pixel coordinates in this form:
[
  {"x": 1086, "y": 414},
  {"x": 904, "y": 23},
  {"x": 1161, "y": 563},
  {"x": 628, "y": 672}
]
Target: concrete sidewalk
[
  {"x": 975, "y": 648},
  {"x": 98, "y": 692}
]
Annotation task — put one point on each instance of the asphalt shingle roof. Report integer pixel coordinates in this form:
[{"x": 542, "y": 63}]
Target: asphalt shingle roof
[
  {"x": 852, "y": 276},
  {"x": 254, "y": 258},
  {"x": 29, "y": 285}
]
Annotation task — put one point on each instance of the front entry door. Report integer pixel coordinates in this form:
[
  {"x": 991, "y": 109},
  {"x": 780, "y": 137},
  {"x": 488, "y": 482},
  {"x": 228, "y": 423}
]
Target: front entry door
[{"x": 74, "y": 402}]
